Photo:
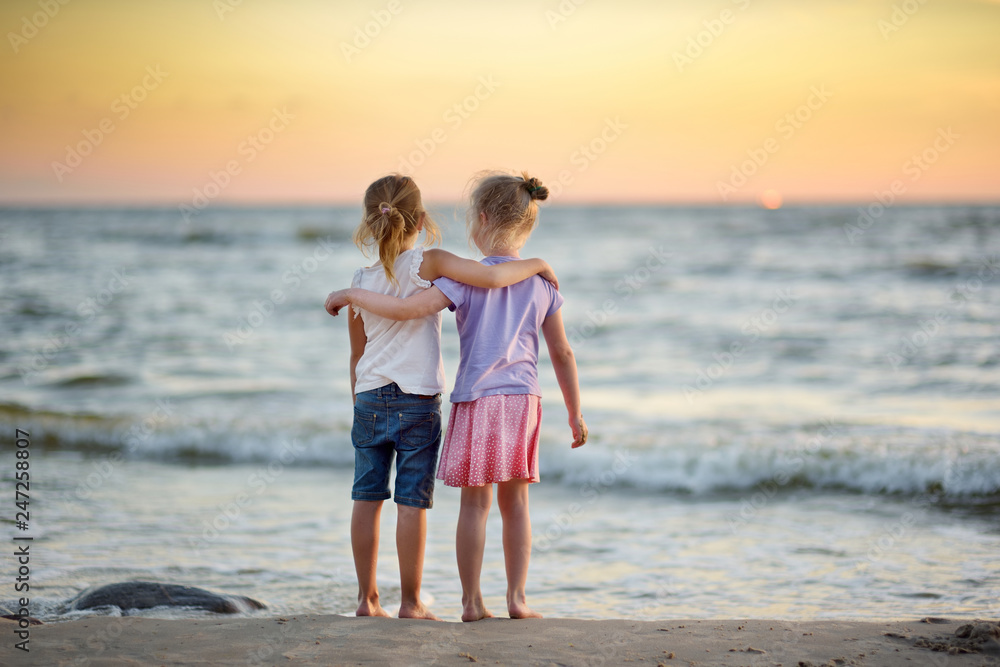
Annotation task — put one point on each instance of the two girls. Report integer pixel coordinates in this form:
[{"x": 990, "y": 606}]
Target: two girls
[
  {"x": 493, "y": 428},
  {"x": 396, "y": 379}
]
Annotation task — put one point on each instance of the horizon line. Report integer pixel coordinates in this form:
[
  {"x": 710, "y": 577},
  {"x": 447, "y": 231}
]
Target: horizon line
[{"x": 678, "y": 203}]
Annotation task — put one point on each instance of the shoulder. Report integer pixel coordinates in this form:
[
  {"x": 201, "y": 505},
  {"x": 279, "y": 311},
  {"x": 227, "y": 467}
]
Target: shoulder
[
  {"x": 435, "y": 254},
  {"x": 416, "y": 261},
  {"x": 437, "y": 260},
  {"x": 550, "y": 293}
]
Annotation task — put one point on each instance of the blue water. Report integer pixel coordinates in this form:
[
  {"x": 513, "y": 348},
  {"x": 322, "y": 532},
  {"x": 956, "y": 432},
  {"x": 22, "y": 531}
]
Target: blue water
[{"x": 789, "y": 419}]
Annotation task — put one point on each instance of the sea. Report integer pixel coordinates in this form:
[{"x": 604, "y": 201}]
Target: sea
[{"x": 794, "y": 413}]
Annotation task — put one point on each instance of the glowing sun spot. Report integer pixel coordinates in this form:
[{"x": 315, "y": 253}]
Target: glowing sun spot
[{"x": 770, "y": 199}]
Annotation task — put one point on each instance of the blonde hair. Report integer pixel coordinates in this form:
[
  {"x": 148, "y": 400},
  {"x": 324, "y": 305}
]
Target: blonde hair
[
  {"x": 392, "y": 210},
  {"x": 509, "y": 203}
]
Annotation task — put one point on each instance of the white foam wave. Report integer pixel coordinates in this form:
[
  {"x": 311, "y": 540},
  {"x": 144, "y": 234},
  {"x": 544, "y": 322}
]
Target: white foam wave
[
  {"x": 956, "y": 465},
  {"x": 693, "y": 459}
]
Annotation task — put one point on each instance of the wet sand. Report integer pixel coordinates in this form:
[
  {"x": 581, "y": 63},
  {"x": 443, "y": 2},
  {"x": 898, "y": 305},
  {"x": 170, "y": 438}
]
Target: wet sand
[{"x": 341, "y": 640}]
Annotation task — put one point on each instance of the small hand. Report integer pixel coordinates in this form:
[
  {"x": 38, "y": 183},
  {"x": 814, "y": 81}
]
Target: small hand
[
  {"x": 335, "y": 301},
  {"x": 579, "y": 428},
  {"x": 549, "y": 275}
]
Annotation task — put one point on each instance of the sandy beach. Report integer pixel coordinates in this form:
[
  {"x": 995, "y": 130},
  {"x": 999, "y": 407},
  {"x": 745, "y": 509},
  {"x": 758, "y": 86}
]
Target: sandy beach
[{"x": 341, "y": 640}]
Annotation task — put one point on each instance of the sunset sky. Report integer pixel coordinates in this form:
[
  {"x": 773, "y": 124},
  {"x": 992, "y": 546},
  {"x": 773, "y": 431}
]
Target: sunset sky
[{"x": 115, "y": 101}]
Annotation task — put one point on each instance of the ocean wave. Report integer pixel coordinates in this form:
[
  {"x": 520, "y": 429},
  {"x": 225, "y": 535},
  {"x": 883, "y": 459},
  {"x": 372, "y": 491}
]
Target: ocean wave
[
  {"x": 94, "y": 380},
  {"x": 698, "y": 461},
  {"x": 931, "y": 268},
  {"x": 159, "y": 436},
  {"x": 854, "y": 459}
]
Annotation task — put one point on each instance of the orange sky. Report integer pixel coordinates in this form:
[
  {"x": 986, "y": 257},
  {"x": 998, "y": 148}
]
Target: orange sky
[{"x": 235, "y": 101}]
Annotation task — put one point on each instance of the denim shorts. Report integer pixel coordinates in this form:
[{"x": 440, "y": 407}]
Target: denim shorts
[{"x": 389, "y": 422}]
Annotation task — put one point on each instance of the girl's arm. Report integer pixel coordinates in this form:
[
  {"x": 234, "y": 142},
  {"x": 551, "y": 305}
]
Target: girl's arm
[
  {"x": 356, "y": 329},
  {"x": 564, "y": 363},
  {"x": 422, "y": 304},
  {"x": 439, "y": 263}
]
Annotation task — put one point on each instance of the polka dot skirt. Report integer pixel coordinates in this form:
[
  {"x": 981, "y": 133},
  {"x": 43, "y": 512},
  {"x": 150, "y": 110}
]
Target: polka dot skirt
[{"x": 491, "y": 439}]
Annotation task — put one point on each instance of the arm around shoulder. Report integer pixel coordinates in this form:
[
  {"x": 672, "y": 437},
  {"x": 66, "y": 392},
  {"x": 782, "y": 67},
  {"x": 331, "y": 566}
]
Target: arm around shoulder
[
  {"x": 438, "y": 263},
  {"x": 422, "y": 304}
]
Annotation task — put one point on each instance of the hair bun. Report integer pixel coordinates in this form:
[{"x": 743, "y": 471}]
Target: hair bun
[
  {"x": 536, "y": 189},
  {"x": 385, "y": 208}
]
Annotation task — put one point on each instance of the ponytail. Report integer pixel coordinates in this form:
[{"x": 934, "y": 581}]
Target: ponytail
[{"x": 392, "y": 210}]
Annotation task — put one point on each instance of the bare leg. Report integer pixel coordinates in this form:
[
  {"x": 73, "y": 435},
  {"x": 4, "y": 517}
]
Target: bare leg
[
  {"x": 512, "y": 499},
  {"x": 470, "y": 542},
  {"x": 411, "y": 535},
  {"x": 364, "y": 542}
]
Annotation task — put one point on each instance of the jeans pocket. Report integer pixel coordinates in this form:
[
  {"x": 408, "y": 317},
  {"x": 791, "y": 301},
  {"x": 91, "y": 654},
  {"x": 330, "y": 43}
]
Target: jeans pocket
[
  {"x": 363, "y": 430},
  {"x": 418, "y": 431}
]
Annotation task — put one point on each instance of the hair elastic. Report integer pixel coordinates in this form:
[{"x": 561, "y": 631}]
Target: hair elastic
[
  {"x": 386, "y": 209},
  {"x": 537, "y": 187}
]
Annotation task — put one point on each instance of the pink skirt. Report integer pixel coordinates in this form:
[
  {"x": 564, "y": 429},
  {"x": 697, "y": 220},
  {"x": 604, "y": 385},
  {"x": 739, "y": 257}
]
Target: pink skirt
[{"x": 491, "y": 439}]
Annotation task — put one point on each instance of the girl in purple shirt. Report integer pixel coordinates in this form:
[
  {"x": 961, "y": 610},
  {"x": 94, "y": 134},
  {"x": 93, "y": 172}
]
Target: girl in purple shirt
[{"x": 493, "y": 429}]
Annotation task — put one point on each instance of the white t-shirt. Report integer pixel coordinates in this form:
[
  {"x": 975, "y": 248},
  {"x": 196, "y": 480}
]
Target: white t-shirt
[{"x": 407, "y": 353}]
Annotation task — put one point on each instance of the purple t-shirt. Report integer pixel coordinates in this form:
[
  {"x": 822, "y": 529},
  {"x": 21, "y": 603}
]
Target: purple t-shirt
[{"x": 498, "y": 334}]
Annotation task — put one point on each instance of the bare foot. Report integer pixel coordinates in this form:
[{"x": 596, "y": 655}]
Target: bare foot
[
  {"x": 367, "y": 608},
  {"x": 521, "y": 610},
  {"x": 416, "y": 611},
  {"x": 517, "y": 606},
  {"x": 475, "y": 610}
]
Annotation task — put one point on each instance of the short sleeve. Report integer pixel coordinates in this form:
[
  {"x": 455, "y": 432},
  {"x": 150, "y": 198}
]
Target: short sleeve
[
  {"x": 454, "y": 290},
  {"x": 415, "y": 261},
  {"x": 557, "y": 299},
  {"x": 356, "y": 282}
]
